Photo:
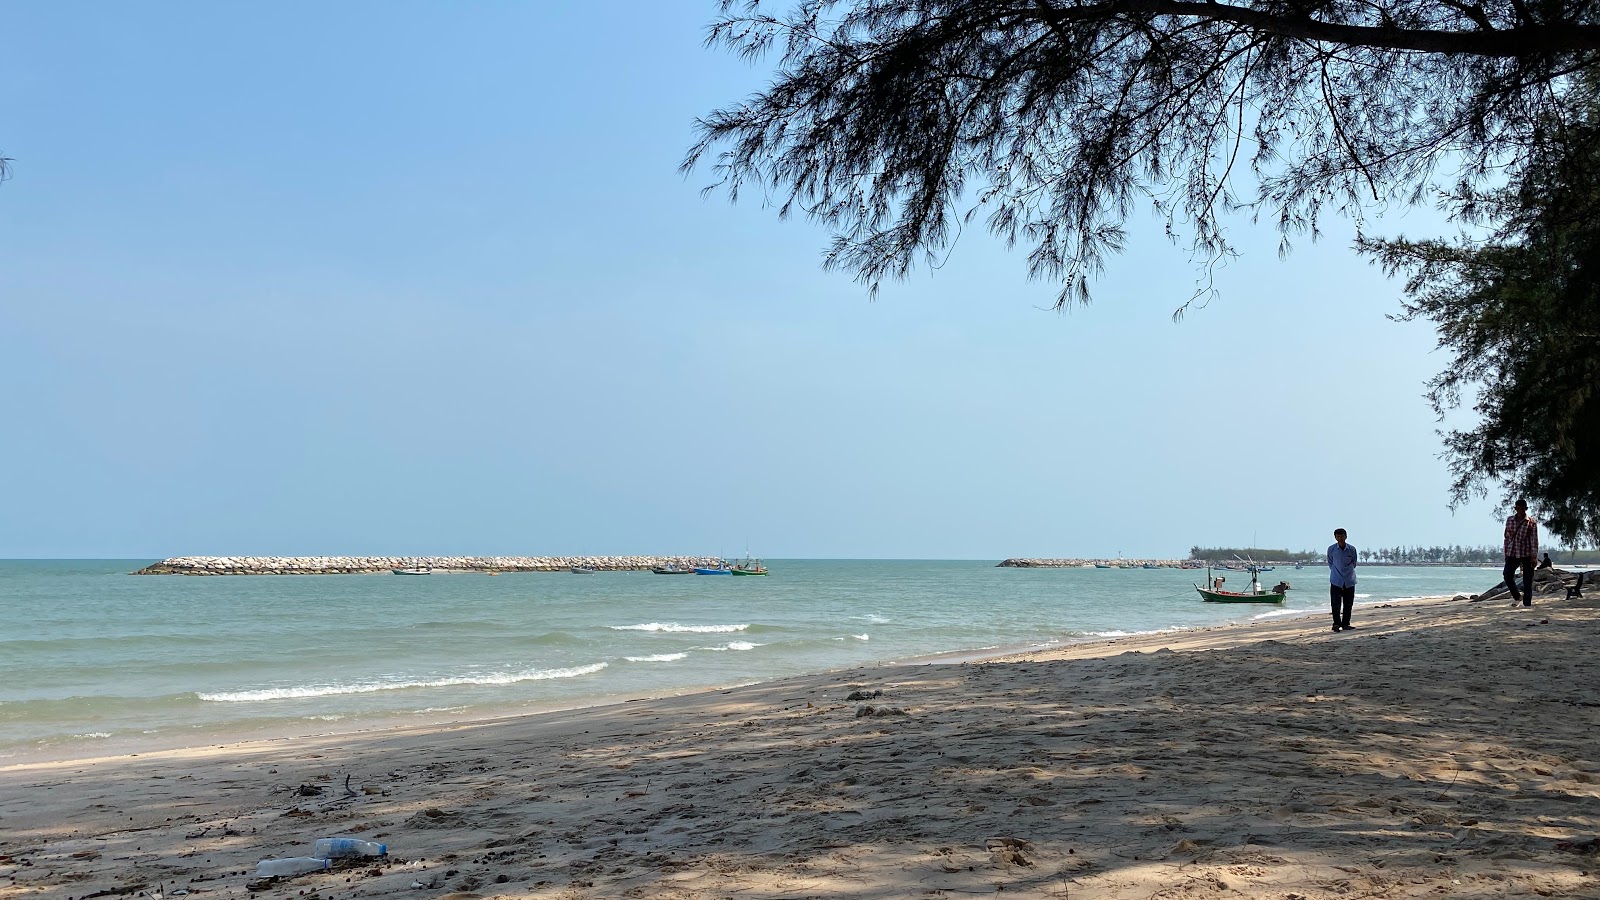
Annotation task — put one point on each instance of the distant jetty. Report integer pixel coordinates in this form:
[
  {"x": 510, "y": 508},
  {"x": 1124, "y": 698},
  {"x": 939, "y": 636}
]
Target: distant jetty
[
  {"x": 368, "y": 565},
  {"x": 1086, "y": 563}
]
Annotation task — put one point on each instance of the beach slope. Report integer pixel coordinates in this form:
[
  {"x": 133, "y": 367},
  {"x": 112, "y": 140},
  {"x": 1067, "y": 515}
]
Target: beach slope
[{"x": 1441, "y": 749}]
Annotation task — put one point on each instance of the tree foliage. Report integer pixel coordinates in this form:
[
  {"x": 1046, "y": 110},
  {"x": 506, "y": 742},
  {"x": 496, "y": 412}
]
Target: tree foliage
[
  {"x": 897, "y": 122},
  {"x": 1520, "y": 314}
]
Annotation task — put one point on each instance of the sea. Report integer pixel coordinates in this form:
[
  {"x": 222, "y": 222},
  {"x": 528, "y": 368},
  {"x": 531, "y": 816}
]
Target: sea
[{"x": 95, "y": 661}]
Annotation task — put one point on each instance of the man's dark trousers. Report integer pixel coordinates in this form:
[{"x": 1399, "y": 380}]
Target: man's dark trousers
[
  {"x": 1341, "y": 599},
  {"x": 1526, "y": 562}
]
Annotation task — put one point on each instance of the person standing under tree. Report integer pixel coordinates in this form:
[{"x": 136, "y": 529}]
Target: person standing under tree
[
  {"x": 1341, "y": 579},
  {"x": 1522, "y": 545}
]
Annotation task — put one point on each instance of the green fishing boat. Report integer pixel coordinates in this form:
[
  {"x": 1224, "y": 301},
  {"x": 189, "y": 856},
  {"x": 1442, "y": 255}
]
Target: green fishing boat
[
  {"x": 1256, "y": 594},
  {"x": 749, "y": 566}
]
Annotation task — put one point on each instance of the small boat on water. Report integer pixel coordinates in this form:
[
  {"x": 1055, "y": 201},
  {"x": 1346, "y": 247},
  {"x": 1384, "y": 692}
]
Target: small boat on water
[
  {"x": 1256, "y": 594},
  {"x": 749, "y": 566},
  {"x": 1102, "y": 566},
  {"x": 582, "y": 570},
  {"x": 718, "y": 569},
  {"x": 670, "y": 570},
  {"x": 414, "y": 570},
  {"x": 1148, "y": 566}
]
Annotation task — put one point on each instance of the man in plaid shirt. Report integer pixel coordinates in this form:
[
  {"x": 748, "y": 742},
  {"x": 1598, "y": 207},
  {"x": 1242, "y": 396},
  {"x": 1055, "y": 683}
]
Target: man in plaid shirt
[{"x": 1522, "y": 545}]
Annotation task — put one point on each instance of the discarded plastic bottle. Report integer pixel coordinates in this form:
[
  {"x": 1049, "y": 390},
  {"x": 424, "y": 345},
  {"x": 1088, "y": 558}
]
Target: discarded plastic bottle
[
  {"x": 334, "y": 848},
  {"x": 293, "y": 865}
]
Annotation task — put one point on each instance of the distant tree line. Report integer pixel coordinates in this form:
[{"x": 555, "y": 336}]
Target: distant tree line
[
  {"x": 1436, "y": 556},
  {"x": 1228, "y": 554}
]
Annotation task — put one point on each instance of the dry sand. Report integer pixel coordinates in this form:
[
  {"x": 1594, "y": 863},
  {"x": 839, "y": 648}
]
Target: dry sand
[{"x": 1442, "y": 749}]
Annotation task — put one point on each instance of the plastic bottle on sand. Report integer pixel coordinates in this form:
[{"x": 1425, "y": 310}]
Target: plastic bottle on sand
[
  {"x": 334, "y": 848},
  {"x": 293, "y": 865}
]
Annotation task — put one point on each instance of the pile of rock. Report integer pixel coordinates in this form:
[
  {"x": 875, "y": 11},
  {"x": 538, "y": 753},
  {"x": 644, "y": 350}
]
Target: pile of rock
[
  {"x": 1546, "y": 583},
  {"x": 1085, "y": 563},
  {"x": 360, "y": 565}
]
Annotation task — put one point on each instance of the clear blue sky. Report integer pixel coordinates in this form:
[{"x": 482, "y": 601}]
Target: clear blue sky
[{"x": 401, "y": 277}]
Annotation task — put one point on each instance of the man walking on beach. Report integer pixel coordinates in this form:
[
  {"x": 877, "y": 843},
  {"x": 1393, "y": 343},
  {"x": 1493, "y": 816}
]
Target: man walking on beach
[
  {"x": 1341, "y": 579},
  {"x": 1522, "y": 545}
]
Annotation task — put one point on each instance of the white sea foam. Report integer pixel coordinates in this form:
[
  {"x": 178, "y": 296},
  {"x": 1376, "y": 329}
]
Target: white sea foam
[
  {"x": 862, "y": 637},
  {"x": 658, "y": 657},
  {"x": 872, "y": 618},
  {"x": 734, "y": 645},
  {"x": 93, "y": 734},
  {"x": 327, "y": 690},
  {"x": 675, "y": 628},
  {"x": 1283, "y": 613}
]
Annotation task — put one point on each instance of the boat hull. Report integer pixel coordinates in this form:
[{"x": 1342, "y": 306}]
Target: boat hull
[
  {"x": 743, "y": 572},
  {"x": 660, "y": 571},
  {"x": 1231, "y": 597},
  {"x": 702, "y": 571}
]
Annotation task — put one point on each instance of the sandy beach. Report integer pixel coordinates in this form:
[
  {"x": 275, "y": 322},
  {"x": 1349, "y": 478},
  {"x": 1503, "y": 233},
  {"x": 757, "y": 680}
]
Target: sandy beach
[{"x": 1441, "y": 749}]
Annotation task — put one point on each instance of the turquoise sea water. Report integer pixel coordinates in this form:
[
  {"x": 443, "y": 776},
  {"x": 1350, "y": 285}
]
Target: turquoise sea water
[{"x": 95, "y": 661}]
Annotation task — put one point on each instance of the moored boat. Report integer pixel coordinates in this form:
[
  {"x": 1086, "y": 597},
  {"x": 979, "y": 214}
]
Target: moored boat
[
  {"x": 1254, "y": 595},
  {"x": 414, "y": 570},
  {"x": 749, "y": 566},
  {"x": 670, "y": 570},
  {"x": 720, "y": 569},
  {"x": 582, "y": 570}
]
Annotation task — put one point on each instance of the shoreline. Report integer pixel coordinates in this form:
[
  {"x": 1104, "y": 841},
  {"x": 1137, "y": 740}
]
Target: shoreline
[
  {"x": 231, "y": 736},
  {"x": 1442, "y": 747},
  {"x": 1086, "y": 767},
  {"x": 1291, "y": 624}
]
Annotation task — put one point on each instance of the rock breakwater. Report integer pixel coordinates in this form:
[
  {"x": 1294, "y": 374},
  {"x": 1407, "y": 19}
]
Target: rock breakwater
[
  {"x": 1087, "y": 563},
  {"x": 364, "y": 565}
]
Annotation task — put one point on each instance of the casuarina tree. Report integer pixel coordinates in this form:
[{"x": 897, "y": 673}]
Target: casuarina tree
[
  {"x": 1519, "y": 311},
  {"x": 896, "y": 122}
]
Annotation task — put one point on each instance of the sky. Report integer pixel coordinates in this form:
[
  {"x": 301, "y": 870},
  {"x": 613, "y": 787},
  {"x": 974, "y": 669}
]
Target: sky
[{"x": 423, "y": 278}]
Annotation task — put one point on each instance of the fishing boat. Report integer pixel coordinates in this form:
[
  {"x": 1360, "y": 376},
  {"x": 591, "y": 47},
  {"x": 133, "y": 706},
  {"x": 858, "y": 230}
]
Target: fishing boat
[
  {"x": 749, "y": 566},
  {"x": 670, "y": 570},
  {"x": 582, "y": 570},
  {"x": 1102, "y": 566},
  {"x": 1148, "y": 566},
  {"x": 414, "y": 570},
  {"x": 720, "y": 568},
  {"x": 1256, "y": 594}
]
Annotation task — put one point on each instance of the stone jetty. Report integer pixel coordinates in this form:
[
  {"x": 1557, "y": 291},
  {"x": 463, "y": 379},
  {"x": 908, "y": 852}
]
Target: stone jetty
[
  {"x": 1085, "y": 563},
  {"x": 363, "y": 565}
]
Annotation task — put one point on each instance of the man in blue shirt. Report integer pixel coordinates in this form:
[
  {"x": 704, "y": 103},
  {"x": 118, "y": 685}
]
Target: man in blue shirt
[{"x": 1341, "y": 579}]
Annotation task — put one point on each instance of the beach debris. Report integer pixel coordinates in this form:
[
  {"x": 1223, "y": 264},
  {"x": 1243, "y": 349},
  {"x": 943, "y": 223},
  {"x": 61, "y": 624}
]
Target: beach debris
[
  {"x": 338, "y": 847},
  {"x": 864, "y": 695},
  {"x": 1009, "y": 851},
  {"x": 308, "y": 790},
  {"x": 291, "y": 866},
  {"x": 347, "y": 791},
  {"x": 879, "y": 711}
]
